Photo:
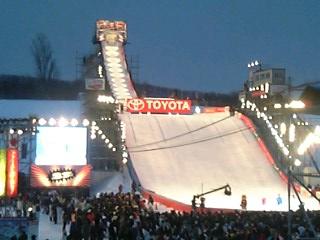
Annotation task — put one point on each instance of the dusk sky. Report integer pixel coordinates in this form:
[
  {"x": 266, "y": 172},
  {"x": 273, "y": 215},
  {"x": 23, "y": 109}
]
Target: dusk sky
[{"x": 200, "y": 45}]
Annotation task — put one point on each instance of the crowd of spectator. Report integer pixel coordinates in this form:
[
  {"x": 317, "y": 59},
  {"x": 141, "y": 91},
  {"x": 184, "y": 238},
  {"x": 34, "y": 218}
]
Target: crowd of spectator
[
  {"x": 24, "y": 205},
  {"x": 128, "y": 216},
  {"x": 117, "y": 216}
]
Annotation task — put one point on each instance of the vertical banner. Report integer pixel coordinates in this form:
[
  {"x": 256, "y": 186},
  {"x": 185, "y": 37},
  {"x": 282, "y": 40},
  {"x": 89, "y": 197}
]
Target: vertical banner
[
  {"x": 12, "y": 172},
  {"x": 2, "y": 172}
]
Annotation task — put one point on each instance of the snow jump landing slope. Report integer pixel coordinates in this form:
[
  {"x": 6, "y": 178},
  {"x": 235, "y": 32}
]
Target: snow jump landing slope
[{"x": 178, "y": 156}]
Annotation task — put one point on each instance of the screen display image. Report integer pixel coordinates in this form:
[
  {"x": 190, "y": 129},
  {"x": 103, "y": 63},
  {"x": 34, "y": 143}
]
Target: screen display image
[{"x": 61, "y": 146}]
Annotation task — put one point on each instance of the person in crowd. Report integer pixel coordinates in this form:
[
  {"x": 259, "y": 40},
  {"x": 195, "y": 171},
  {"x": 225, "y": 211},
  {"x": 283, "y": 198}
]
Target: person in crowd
[
  {"x": 120, "y": 188},
  {"x": 150, "y": 200},
  {"x": 243, "y": 202}
]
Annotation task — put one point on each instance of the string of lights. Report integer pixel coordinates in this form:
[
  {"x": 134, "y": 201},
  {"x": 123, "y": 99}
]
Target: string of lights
[
  {"x": 273, "y": 129},
  {"x": 96, "y": 129}
]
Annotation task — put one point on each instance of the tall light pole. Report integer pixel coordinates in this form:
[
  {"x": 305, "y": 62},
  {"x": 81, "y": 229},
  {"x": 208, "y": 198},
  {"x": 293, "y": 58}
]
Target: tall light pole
[
  {"x": 291, "y": 139},
  {"x": 289, "y": 172}
]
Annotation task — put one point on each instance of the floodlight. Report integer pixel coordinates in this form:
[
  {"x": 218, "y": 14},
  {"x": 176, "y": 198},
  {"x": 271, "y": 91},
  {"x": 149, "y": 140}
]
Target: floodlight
[
  {"x": 277, "y": 105},
  {"x": 113, "y": 60},
  {"x": 112, "y": 54},
  {"x": 52, "y": 122},
  {"x": 292, "y": 130},
  {"x": 114, "y": 65},
  {"x": 283, "y": 128},
  {"x": 115, "y": 70},
  {"x": 42, "y": 121},
  {"x": 197, "y": 109},
  {"x": 296, "y": 104},
  {"x": 115, "y": 75},
  {"x": 297, "y": 162},
  {"x": 112, "y": 48},
  {"x": 74, "y": 122},
  {"x": 85, "y": 122},
  {"x": 63, "y": 122},
  {"x": 100, "y": 70}
]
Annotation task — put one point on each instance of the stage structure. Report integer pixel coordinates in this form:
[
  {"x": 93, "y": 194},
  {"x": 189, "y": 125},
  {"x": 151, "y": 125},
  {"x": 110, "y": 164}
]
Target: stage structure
[{"x": 61, "y": 154}]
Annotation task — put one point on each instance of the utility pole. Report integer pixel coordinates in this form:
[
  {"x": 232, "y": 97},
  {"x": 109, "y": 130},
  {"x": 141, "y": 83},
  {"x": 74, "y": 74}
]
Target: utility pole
[
  {"x": 289, "y": 202},
  {"x": 291, "y": 141},
  {"x": 134, "y": 66},
  {"x": 78, "y": 65}
]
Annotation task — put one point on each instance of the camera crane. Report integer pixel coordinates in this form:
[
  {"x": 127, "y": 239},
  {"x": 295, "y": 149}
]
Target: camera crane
[{"x": 227, "y": 191}]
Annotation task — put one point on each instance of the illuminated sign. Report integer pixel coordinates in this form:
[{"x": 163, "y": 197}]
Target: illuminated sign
[
  {"x": 12, "y": 172},
  {"x": 95, "y": 83},
  {"x": 159, "y": 105},
  {"x": 101, "y": 24},
  {"x": 214, "y": 109},
  {"x": 61, "y": 175},
  {"x": 111, "y": 25},
  {"x": 2, "y": 172},
  {"x": 105, "y": 27},
  {"x": 257, "y": 93}
]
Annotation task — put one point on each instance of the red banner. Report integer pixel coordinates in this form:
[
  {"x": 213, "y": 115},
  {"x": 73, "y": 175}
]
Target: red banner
[
  {"x": 215, "y": 109},
  {"x": 60, "y": 176},
  {"x": 159, "y": 105},
  {"x": 12, "y": 172},
  {"x": 257, "y": 93}
]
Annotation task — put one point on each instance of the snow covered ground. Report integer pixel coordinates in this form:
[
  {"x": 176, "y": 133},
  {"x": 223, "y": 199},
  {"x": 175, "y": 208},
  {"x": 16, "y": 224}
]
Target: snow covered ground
[
  {"x": 48, "y": 230},
  {"x": 178, "y": 156}
]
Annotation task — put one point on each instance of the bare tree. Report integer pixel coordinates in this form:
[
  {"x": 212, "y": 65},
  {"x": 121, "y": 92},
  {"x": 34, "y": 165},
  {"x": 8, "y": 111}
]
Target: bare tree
[{"x": 46, "y": 68}]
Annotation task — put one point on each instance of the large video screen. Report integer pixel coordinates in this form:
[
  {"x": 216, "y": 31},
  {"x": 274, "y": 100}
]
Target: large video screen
[{"x": 61, "y": 146}]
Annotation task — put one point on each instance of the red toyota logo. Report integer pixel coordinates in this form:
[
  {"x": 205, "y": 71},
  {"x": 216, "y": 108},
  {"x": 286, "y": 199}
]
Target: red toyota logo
[{"x": 136, "y": 104}]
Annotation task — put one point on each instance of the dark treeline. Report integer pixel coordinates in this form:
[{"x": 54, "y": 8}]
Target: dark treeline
[{"x": 23, "y": 87}]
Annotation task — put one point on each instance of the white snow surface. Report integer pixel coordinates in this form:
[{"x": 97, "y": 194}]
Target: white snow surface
[{"x": 205, "y": 158}]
